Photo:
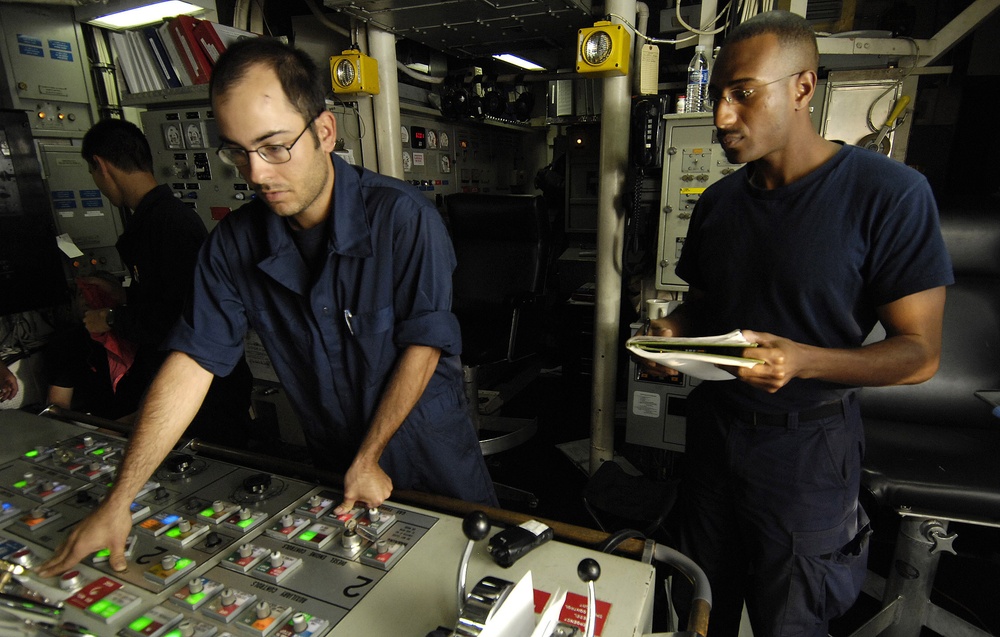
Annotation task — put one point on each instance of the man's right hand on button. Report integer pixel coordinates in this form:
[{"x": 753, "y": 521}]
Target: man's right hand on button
[{"x": 106, "y": 528}]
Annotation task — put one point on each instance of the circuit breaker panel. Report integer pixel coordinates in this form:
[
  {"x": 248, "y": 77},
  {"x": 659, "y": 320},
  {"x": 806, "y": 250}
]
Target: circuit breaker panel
[
  {"x": 692, "y": 161},
  {"x": 81, "y": 211},
  {"x": 44, "y": 70}
]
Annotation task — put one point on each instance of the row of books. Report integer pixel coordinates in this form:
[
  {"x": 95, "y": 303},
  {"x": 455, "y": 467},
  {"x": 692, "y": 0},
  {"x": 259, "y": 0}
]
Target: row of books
[{"x": 179, "y": 52}]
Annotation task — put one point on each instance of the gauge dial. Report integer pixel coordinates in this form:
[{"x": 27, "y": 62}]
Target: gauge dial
[
  {"x": 407, "y": 162},
  {"x": 443, "y": 140},
  {"x": 432, "y": 140}
]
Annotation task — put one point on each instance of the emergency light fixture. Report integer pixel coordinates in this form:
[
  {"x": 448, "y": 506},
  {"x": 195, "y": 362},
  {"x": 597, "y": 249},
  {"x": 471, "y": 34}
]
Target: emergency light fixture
[
  {"x": 354, "y": 72},
  {"x": 602, "y": 50}
]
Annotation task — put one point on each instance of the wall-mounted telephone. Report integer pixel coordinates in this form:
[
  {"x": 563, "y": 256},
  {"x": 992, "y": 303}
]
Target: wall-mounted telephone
[
  {"x": 645, "y": 154},
  {"x": 647, "y": 131}
]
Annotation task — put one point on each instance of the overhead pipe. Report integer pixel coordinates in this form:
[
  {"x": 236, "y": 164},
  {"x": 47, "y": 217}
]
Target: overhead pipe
[{"x": 641, "y": 23}]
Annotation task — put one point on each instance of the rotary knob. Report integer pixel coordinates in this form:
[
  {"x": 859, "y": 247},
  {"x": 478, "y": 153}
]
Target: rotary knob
[
  {"x": 245, "y": 550},
  {"x": 196, "y": 585},
  {"x": 287, "y": 520},
  {"x": 179, "y": 463},
  {"x": 299, "y": 623},
  {"x": 258, "y": 483},
  {"x": 169, "y": 562},
  {"x": 277, "y": 559},
  {"x": 184, "y": 526},
  {"x": 350, "y": 539},
  {"x": 245, "y": 513},
  {"x": 228, "y": 597},
  {"x": 263, "y": 610}
]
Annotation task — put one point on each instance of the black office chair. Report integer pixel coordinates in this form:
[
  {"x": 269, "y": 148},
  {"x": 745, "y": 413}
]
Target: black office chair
[
  {"x": 932, "y": 449},
  {"x": 502, "y": 247}
]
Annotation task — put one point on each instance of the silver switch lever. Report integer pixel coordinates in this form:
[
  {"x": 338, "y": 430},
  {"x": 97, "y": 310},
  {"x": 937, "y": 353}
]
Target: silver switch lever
[{"x": 475, "y": 526}]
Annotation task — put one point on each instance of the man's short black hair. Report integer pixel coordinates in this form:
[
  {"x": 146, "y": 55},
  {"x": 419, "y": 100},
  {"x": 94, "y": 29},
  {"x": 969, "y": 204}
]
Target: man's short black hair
[
  {"x": 120, "y": 143},
  {"x": 303, "y": 82},
  {"x": 792, "y": 30}
]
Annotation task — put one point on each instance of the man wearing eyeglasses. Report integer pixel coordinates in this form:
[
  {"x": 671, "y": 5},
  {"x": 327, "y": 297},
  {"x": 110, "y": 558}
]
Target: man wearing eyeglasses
[
  {"x": 804, "y": 249},
  {"x": 346, "y": 277}
]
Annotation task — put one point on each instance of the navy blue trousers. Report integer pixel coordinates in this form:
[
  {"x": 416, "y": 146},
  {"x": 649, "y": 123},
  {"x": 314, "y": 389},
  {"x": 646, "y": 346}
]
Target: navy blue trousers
[{"x": 771, "y": 513}]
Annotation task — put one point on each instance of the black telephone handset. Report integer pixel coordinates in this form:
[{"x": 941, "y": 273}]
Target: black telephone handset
[{"x": 647, "y": 131}]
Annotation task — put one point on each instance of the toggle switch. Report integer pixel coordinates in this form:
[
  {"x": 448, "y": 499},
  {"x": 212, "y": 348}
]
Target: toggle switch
[
  {"x": 228, "y": 604},
  {"x": 197, "y": 592},
  {"x": 264, "y": 617},
  {"x": 287, "y": 527},
  {"x": 244, "y": 558},
  {"x": 171, "y": 569},
  {"x": 302, "y": 625}
]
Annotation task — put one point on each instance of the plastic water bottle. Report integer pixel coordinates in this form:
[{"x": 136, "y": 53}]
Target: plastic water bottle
[{"x": 696, "y": 99}]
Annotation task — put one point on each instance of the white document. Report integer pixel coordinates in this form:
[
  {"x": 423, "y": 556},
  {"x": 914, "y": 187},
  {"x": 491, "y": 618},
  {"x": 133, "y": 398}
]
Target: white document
[
  {"x": 550, "y": 615},
  {"x": 65, "y": 243},
  {"x": 516, "y": 616},
  {"x": 683, "y": 354}
]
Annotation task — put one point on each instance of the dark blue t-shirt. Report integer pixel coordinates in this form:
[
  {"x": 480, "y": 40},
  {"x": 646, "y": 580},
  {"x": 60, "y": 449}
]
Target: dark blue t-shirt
[{"x": 811, "y": 261}]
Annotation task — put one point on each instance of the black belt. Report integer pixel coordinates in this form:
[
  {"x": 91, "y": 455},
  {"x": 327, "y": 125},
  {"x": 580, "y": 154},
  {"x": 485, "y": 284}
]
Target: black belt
[{"x": 835, "y": 408}]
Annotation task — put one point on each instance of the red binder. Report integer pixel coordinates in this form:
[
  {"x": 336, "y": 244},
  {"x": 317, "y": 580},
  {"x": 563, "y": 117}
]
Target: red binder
[{"x": 195, "y": 61}]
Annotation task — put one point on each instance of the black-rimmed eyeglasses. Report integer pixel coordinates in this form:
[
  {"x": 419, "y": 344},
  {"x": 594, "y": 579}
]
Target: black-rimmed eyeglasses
[
  {"x": 743, "y": 95},
  {"x": 271, "y": 153}
]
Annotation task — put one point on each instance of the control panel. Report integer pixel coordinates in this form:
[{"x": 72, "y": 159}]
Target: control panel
[
  {"x": 80, "y": 210},
  {"x": 444, "y": 157},
  {"x": 692, "y": 161},
  {"x": 45, "y": 69},
  {"x": 221, "y": 549},
  {"x": 183, "y": 140}
]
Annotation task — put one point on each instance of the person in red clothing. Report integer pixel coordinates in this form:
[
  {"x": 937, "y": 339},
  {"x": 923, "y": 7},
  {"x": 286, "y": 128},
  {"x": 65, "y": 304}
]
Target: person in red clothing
[{"x": 159, "y": 247}]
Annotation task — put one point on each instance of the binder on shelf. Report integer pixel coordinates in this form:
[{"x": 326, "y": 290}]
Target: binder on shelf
[
  {"x": 195, "y": 61},
  {"x": 160, "y": 57},
  {"x": 214, "y": 38},
  {"x": 124, "y": 61},
  {"x": 150, "y": 74},
  {"x": 174, "y": 54}
]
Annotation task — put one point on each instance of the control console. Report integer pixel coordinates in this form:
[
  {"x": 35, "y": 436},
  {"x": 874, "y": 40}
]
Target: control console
[{"x": 219, "y": 549}]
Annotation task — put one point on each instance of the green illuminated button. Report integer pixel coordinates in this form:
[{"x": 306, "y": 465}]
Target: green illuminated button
[
  {"x": 317, "y": 536},
  {"x": 197, "y": 591},
  {"x": 170, "y": 569},
  {"x": 158, "y": 621}
]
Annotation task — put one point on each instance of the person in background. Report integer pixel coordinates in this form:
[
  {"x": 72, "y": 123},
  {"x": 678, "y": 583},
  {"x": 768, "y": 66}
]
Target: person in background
[
  {"x": 346, "y": 277},
  {"x": 93, "y": 373},
  {"x": 159, "y": 248},
  {"x": 804, "y": 249},
  {"x": 8, "y": 383}
]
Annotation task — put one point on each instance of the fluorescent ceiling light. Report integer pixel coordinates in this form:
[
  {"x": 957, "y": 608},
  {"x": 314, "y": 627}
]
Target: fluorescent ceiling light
[
  {"x": 125, "y": 15},
  {"x": 518, "y": 62}
]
